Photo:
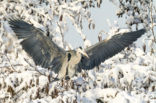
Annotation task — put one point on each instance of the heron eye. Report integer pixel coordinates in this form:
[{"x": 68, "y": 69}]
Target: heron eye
[{"x": 69, "y": 56}]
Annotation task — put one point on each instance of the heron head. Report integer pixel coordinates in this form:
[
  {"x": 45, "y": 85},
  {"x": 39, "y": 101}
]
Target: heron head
[{"x": 79, "y": 50}]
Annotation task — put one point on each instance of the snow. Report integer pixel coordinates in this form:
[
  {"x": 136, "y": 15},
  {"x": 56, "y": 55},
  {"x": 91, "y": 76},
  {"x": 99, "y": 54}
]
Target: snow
[
  {"x": 87, "y": 43},
  {"x": 128, "y": 77}
]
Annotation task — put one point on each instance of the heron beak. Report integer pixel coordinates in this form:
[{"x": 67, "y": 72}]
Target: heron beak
[{"x": 84, "y": 53}]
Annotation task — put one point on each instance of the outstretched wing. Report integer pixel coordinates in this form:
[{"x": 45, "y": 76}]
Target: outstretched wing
[
  {"x": 43, "y": 51},
  {"x": 105, "y": 49}
]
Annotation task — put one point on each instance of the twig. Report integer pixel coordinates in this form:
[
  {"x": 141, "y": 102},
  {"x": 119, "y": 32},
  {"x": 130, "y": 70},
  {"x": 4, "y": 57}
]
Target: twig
[
  {"x": 100, "y": 35},
  {"x": 29, "y": 63},
  {"x": 78, "y": 29},
  {"x": 152, "y": 28},
  {"x": 61, "y": 35},
  {"x": 10, "y": 63},
  {"x": 102, "y": 31}
]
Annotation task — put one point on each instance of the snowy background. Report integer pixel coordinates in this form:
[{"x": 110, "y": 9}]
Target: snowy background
[{"x": 128, "y": 77}]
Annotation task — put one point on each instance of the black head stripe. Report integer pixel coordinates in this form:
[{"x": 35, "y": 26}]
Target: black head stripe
[
  {"x": 80, "y": 47},
  {"x": 69, "y": 56}
]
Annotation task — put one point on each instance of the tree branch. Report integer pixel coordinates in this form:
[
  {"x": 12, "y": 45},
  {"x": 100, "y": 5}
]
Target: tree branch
[{"x": 152, "y": 23}]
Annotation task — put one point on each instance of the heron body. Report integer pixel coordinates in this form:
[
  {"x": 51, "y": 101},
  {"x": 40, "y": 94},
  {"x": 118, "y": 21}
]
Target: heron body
[
  {"x": 68, "y": 68},
  {"x": 47, "y": 54}
]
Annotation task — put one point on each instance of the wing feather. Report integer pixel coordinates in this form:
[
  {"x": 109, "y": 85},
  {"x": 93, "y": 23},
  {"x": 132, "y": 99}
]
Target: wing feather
[
  {"x": 43, "y": 51},
  {"x": 105, "y": 49}
]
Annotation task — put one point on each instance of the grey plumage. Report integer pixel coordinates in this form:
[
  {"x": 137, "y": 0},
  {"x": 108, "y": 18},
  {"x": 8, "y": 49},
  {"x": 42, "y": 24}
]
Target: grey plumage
[
  {"x": 105, "y": 49},
  {"x": 43, "y": 51},
  {"x": 46, "y": 53}
]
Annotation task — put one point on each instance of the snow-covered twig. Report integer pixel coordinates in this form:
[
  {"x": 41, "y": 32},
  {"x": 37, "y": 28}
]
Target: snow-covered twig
[
  {"x": 152, "y": 22},
  {"x": 62, "y": 35},
  {"x": 10, "y": 63},
  {"x": 100, "y": 35}
]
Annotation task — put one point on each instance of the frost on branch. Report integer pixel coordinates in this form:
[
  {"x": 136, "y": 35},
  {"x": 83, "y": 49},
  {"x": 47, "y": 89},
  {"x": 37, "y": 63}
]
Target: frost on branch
[
  {"x": 51, "y": 15},
  {"x": 138, "y": 14}
]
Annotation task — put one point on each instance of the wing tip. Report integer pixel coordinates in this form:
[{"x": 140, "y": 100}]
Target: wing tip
[
  {"x": 142, "y": 31},
  {"x": 21, "y": 28},
  {"x": 13, "y": 20}
]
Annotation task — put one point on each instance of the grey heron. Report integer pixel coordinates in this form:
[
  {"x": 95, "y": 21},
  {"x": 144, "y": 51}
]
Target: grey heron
[{"x": 47, "y": 54}]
